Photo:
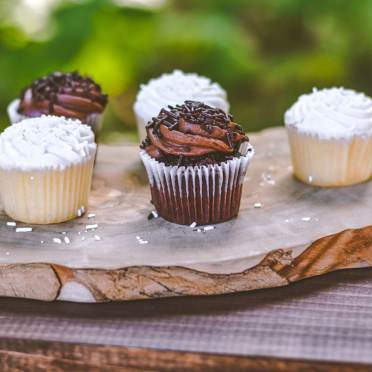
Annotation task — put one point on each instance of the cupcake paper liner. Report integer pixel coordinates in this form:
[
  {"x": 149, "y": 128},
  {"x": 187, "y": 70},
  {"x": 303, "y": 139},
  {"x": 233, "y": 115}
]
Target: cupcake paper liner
[
  {"x": 141, "y": 127},
  {"x": 93, "y": 120},
  {"x": 330, "y": 162},
  {"x": 200, "y": 194},
  {"x": 47, "y": 196}
]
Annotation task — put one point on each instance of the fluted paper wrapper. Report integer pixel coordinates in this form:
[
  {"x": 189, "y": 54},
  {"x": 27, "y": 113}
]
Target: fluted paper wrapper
[
  {"x": 46, "y": 196},
  {"x": 141, "y": 127},
  {"x": 201, "y": 194},
  {"x": 93, "y": 120},
  {"x": 330, "y": 162}
]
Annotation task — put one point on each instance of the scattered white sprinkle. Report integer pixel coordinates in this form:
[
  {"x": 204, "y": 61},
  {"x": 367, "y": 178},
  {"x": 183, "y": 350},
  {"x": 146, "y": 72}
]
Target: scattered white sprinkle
[
  {"x": 23, "y": 229},
  {"x": 310, "y": 179},
  {"x": 96, "y": 237},
  {"x": 141, "y": 241},
  {"x": 91, "y": 215},
  {"x": 207, "y": 228},
  {"x": 79, "y": 212},
  {"x": 41, "y": 241},
  {"x": 91, "y": 227},
  {"x": 83, "y": 238},
  {"x": 198, "y": 230},
  {"x": 306, "y": 219},
  {"x": 193, "y": 225},
  {"x": 79, "y": 232},
  {"x": 63, "y": 233},
  {"x": 11, "y": 223},
  {"x": 287, "y": 220},
  {"x": 67, "y": 240},
  {"x": 257, "y": 205},
  {"x": 57, "y": 240},
  {"x": 155, "y": 214}
]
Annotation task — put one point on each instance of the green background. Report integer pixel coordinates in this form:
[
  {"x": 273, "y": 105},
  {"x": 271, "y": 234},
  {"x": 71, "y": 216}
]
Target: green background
[{"x": 263, "y": 52}]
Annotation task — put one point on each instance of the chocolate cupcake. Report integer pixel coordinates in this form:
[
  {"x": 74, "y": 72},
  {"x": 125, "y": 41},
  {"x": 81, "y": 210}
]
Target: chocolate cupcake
[
  {"x": 196, "y": 158},
  {"x": 61, "y": 94}
]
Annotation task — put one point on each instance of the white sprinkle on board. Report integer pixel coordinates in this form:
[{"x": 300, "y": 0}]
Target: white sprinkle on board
[
  {"x": 67, "y": 240},
  {"x": 306, "y": 219},
  {"x": 257, "y": 205},
  {"x": 91, "y": 215},
  {"x": 23, "y": 229},
  {"x": 193, "y": 225},
  {"x": 97, "y": 237},
  {"x": 57, "y": 240},
  {"x": 11, "y": 224},
  {"x": 141, "y": 241},
  {"x": 208, "y": 228},
  {"x": 91, "y": 227}
]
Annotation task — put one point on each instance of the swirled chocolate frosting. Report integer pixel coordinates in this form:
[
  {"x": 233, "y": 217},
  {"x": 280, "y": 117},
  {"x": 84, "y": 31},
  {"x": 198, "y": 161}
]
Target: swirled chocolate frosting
[
  {"x": 193, "y": 134},
  {"x": 63, "y": 94}
]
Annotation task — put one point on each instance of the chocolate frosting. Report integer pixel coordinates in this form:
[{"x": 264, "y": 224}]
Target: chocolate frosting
[
  {"x": 191, "y": 132},
  {"x": 63, "y": 94}
]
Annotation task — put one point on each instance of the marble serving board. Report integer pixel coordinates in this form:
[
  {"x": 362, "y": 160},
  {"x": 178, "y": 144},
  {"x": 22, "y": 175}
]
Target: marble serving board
[{"x": 286, "y": 231}]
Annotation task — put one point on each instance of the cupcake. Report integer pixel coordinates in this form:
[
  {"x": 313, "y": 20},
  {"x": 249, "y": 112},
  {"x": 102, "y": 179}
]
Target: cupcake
[
  {"x": 61, "y": 94},
  {"x": 46, "y": 168},
  {"x": 196, "y": 158},
  {"x": 330, "y": 136},
  {"x": 172, "y": 89}
]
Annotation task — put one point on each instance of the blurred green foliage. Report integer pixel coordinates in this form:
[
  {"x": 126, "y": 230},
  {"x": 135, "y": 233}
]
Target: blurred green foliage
[{"x": 263, "y": 52}]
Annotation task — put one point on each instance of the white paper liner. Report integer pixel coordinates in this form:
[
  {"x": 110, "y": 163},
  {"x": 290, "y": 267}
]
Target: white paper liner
[
  {"x": 330, "y": 162},
  {"x": 201, "y": 194},
  {"x": 93, "y": 120},
  {"x": 46, "y": 196},
  {"x": 141, "y": 127}
]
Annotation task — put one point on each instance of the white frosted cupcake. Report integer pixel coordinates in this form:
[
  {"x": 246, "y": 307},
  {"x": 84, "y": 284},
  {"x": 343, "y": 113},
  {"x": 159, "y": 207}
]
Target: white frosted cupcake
[
  {"x": 330, "y": 135},
  {"x": 46, "y": 167},
  {"x": 172, "y": 89}
]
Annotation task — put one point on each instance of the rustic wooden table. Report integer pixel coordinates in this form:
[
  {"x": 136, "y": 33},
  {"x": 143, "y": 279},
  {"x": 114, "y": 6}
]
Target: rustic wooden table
[{"x": 321, "y": 324}]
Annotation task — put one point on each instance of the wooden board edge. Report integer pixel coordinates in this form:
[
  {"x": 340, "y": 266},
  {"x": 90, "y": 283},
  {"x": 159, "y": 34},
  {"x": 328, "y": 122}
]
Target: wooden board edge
[
  {"x": 350, "y": 248},
  {"x": 34, "y": 354}
]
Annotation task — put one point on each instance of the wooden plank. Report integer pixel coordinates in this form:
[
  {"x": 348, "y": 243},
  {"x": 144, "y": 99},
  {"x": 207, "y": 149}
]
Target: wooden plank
[
  {"x": 298, "y": 232},
  {"x": 31, "y": 355}
]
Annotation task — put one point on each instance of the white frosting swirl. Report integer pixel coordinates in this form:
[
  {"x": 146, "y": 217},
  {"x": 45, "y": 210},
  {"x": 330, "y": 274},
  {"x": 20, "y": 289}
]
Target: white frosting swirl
[
  {"x": 175, "y": 88},
  {"x": 332, "y": 113},
  {"x": 47, "y": 142}
]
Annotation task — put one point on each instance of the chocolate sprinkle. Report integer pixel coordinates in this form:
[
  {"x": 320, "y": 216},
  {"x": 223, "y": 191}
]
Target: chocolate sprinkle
[
  {"x": 48, "y": 87},
  {"x": 208, "y": 118},
  {"x": 194, "y": 113}
]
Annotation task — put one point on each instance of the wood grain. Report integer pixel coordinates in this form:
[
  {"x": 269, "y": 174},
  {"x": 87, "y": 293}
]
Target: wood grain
[
  {"x": 18, "y": 355},
  {"x": 299, "y": 231}
]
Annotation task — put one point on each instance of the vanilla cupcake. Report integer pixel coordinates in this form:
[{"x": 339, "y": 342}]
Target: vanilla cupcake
[
  {"x": 330, "y": 135},
  {"x": 172, "y": 89},
  {"x": 46, "y": 169}
]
